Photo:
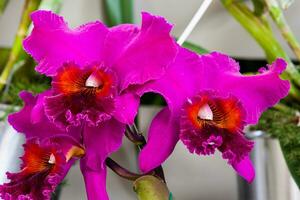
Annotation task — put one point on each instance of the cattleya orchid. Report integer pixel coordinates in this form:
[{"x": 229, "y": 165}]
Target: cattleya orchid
[
  {"x": 92, "y": 68},
  {"x": 209, "y": 104},
  {"x": 98, "y": 75}
]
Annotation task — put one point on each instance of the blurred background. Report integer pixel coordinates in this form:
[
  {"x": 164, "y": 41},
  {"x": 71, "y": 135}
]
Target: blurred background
[{"x": 188, "y": 176}]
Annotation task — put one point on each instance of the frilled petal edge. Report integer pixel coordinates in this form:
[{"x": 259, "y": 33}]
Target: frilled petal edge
[{"x": 52, "y": 43}]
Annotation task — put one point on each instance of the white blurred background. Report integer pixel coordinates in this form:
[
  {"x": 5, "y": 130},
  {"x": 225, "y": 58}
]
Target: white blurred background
[{"x": 189, "y": 177}]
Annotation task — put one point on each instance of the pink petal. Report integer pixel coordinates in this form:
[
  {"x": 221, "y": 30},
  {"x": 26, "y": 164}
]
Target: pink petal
[
  {"x": 32, "y": 121},
  {"x": 147, "y": 56},
  {"x": 117, "y": 41},
  {"x": 256, "y": 92},
  {"x": 162, "y": 138},
  {"x": 95, "y": 183},
  {"x": 126, "y": 107},
  {"x": 245, "y": 169},
  {"x": 101, "y": 141},
  {"x": 179, "y": 82},
  {"x": 52, "y": 43}
]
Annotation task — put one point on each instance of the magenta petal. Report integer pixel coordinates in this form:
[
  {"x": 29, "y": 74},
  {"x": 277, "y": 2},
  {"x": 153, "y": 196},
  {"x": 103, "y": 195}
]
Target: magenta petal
[
  {"x": 126, "y": 107},
  {"x": 32, "y": 121},
  {"x": 52, "y": 43},
  {"x": 256, "y": 92},
  {"x": 101, "y": 141},
  {"x": 179, "y": 82},
  {"x": 147, "y": 56},
  {"x": 117, "y": 40},
  {"x": 95, "y": 183},
  {"x": 162, "y": 138},
  {"x": 245, "y": 169}
]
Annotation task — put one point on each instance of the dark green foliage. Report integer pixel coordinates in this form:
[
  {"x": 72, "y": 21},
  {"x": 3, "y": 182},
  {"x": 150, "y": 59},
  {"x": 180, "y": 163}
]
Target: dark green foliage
[
  {"x": 196, "y": 48},
  {"x": 259, "y": 7},
  {"x": 4, "y": 53},
  {"x": 284, "y": 126},
  {"x": 26, "y": 78},
  {"x": 118, "y": 12}
]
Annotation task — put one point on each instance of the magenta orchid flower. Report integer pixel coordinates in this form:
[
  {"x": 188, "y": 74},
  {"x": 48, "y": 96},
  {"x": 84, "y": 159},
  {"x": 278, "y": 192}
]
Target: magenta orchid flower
[
  {"x": 209, "y": 104},
  {"x": 45, "y": 164},
  {"x": 92, "y": 68},
  {"x": 48, "y": 154}
]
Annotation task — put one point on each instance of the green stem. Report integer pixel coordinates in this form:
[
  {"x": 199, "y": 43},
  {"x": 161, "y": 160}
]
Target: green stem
[
  {"x": 278, "y": 17},
  {"x": 260, "y": 30},
  {"x": 29, "y": 6},
  {"x": 3, "y": 4}
]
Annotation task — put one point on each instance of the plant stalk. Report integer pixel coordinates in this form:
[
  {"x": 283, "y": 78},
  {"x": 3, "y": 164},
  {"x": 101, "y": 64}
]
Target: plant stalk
[
  {"x": 29, "y": 6},
  {"x": 137, "y": 138},
  {"x": 279, "y": 19},
  {"x": 260, "y": 30},
  {"x": 124, "y": 173}
]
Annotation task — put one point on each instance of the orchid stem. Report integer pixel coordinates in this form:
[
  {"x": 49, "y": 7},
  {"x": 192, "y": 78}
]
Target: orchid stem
[
  {"x": 29, "y": 6},
  {"x": 124, "y": 173},
  {"x": 137, "y": 138},
  {"x": 134, "y": 136},
  {"x": 278, "y": 17}
]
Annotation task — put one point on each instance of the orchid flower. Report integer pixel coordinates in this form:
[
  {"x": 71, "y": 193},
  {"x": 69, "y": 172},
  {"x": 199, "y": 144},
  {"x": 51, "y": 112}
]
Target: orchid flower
[
  {"x": 92, "y": 68},
  {"x": 45, "y": 164},
  {"x": 209, "y": 104},
  {"x": 48, "y": 155}
]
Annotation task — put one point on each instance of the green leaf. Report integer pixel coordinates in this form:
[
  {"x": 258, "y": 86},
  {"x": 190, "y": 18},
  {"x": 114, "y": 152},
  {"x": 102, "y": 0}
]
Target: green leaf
[
  {"x": 196, "y": 48},
  {"x": 4, "y": 53},
  {"x": 284, "y": 126},
  {"x": 127, "y": 11},
  {"x": 118, "y": 12},
  {"x": 259, "y": 7},
  {"x": 3, "y": 4}
]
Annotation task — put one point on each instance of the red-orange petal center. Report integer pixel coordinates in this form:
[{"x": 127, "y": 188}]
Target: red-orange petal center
[{"x": 222, "y": 113}]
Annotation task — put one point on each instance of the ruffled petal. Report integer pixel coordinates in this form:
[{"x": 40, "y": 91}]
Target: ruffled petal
[
  {"x": 52, "y": 43},
  {"x": 256, "y": 92},
  {"x": 32, "y": 121},
  {"x": 126, "y": 107},
  {"x": 245, "y": 169},
  {"x": 179, "y": 82},
  {"x": 95, "y": 183},
  {"x": 117, "y": 40},
  {"x": 147, "y": 56},
  {"x": 101, "y": 141},
  {"x": 162, "y": 138}
]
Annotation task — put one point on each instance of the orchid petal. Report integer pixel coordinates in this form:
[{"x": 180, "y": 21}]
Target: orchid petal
[
  {"x": 245, "y": 169},
  {"x": 117, "y": 40},
  {"x": 95, "y": 183},
  {"x": 101, "y": 141},
  {"x": 162, "y": 138},
  {"x": 179, "y": 82},
  {"x": 256, "y": 92},
  {"x": 147, "y": 56},
  {"x": 52, "y": 43},
  {"x": 32, "y": 121},
  {"x": 126, "y": 107}
]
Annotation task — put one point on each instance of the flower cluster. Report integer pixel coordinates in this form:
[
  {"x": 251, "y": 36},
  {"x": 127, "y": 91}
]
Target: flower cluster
[{"x": 98, "y": 76}]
